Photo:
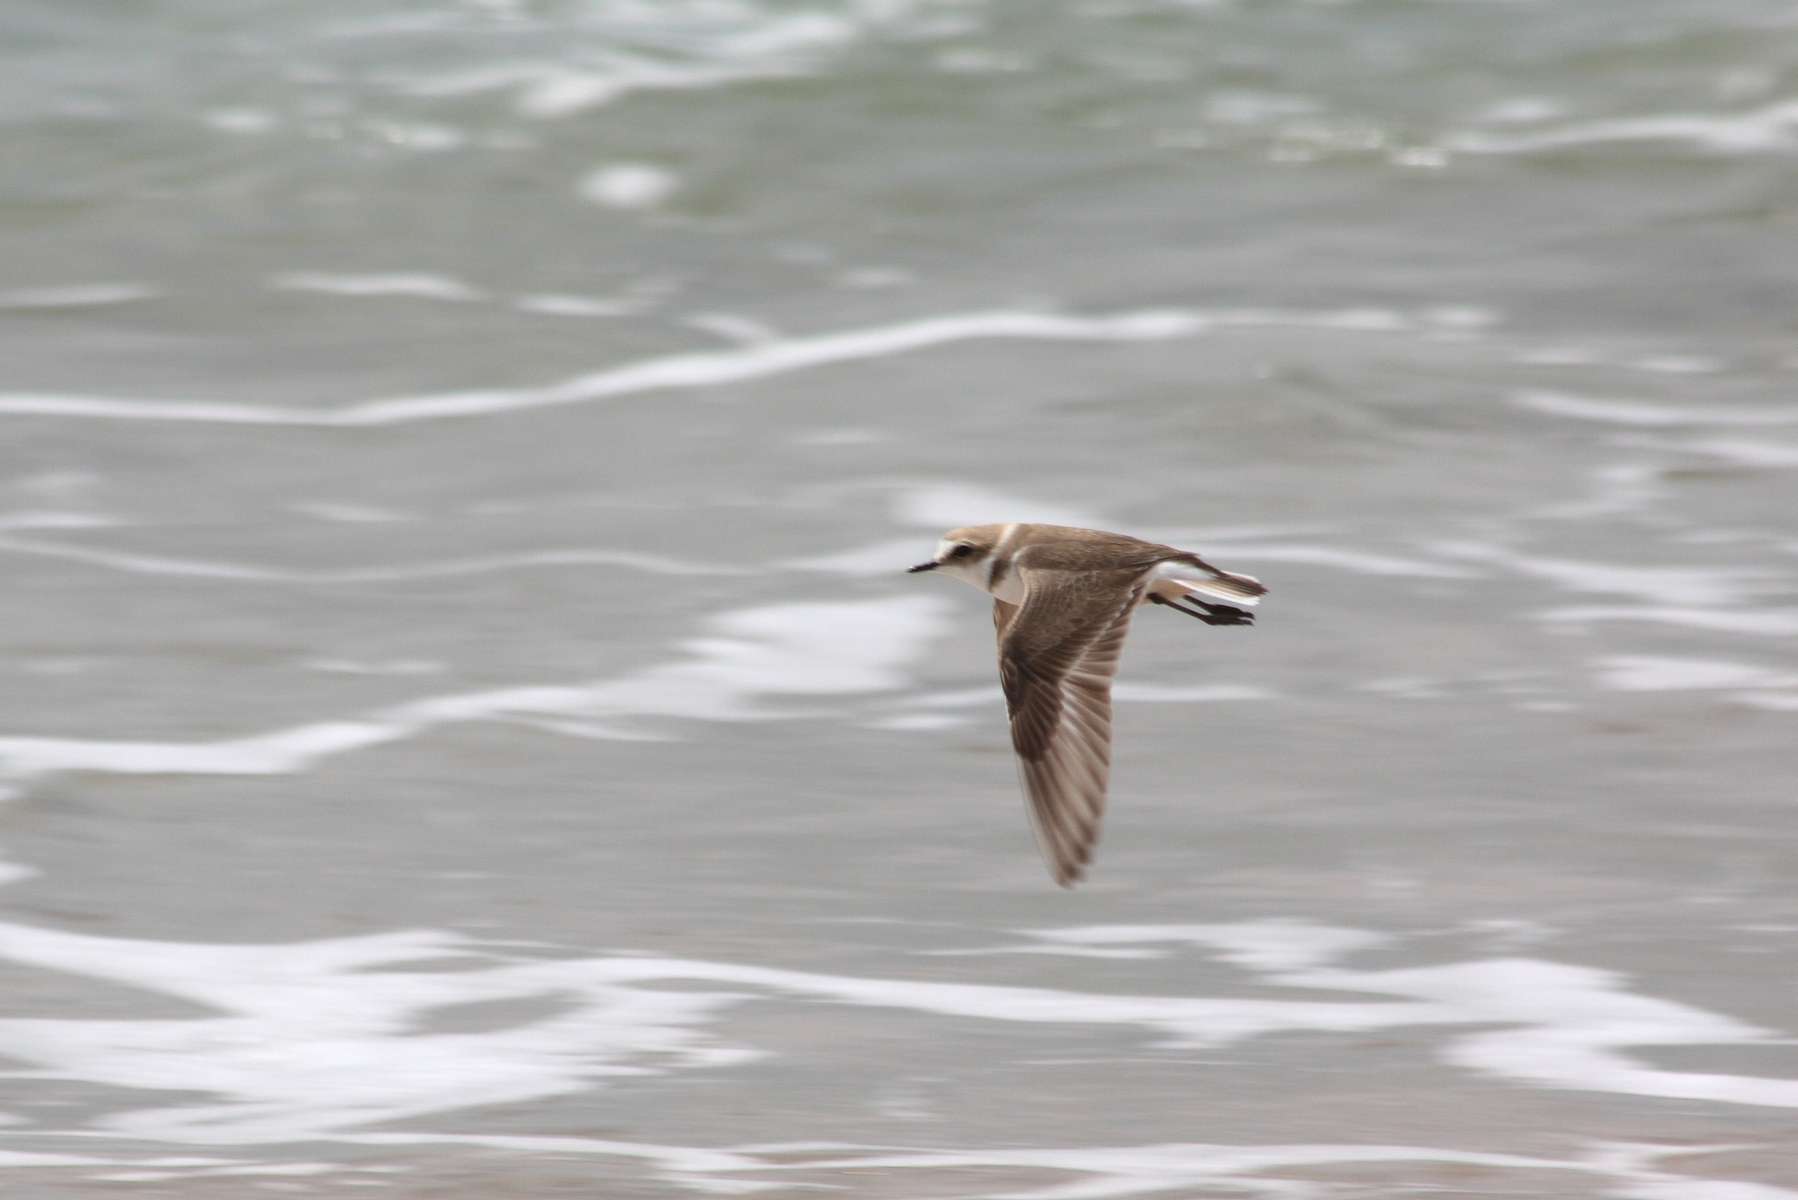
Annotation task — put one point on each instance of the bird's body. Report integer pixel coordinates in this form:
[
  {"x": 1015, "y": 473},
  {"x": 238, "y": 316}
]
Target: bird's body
[{"x": 1062, "y": 602}]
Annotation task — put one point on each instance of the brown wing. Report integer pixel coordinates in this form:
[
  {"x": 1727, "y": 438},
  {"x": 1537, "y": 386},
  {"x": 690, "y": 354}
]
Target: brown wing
[
  {"x": 1002, "y": 615},
  {"x": 1057, "y": 655}
]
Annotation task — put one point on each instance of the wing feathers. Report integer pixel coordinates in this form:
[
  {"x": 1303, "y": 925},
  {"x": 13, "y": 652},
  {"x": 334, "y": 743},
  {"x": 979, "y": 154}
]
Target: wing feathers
[{"x": 1058, "y": 654}]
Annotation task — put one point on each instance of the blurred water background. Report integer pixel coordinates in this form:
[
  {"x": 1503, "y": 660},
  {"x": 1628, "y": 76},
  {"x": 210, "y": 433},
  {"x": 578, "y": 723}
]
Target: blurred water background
[{"x": 465, "y": 730}]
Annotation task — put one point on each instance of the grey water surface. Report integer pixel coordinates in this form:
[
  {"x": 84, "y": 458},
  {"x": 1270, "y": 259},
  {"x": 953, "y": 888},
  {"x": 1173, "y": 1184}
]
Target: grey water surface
[{"x": 465, "y": 730}]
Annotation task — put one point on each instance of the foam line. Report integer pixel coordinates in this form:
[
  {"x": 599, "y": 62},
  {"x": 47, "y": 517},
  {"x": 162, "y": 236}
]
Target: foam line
[
  {"x": 415, "y": 285},
  {"x": 1770, "y": 127},
  {"x": 273, "y": 1064},
  {"x": 701, "y": 369},
  {"x": 48, "y": 404},
  {"x": 695, "y": 370},
  {"x": 1652, "y": 673},
  {"x": 1540, "y": 1022},
  {"x": 1654, "y": 585},
  {"x": 1357, "y": 561},
  {"x": 151, "y": 564},
  {"x": 1647, "y": 416},
  {"x": 748, "y": 656},
  {"x": 86, "y": 295},
  {"x": 1629, "y": 1171},
  {"x": 1782, "y": 622}
]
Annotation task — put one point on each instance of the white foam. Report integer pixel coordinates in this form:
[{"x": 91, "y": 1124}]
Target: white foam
[
  {"x": 876, "y": 277},
  {"x": 387, "y": 666},
  {"x": 1560, "y": 1025},
  {"x": 25, "y": 1158},
  {"x": 765, "y": 359},
  {"x": 282, "y": 1065},
  {"x": 1522, "y": 110},
  {"x": 155, "y": 564},
  {"x": 1615, "y": 488},
  {"x": 352, "y": 514},
  {"x": 417, "y": 135},
  {"x": 275, "y": 1064},
  {"x": 46, "y": 404},
  {"x": 558, "y": 305},
  {"x": 1649, "y": 673},
  {"x": 1684, "y": 1188},
  {"x": 749, "y": 656},
  {"x": 879, "y": 558},
  {"x": 628, "y": 185},
  {"x": 1046, "y": 951},
  {"x": 14, "y": 872},
  {"x": 1771, "y": 127},
  {"x": 1462, "y": 316},
  {"x": 1270, "y": 945},
  {"x": 1678, "y": 364},
  {"x": 1766, "y": 622},
  {"x": 1276, "y": 1171},
  {"x": 82, "y": 295},
  {"x": 1759, "y": 453},
  {"x": 243, "y": 121},
  {"x": 1348, "y": 320},
  {"x": 841, "y": 435},
  {"x": 940, "y": 506},
  {"x": 919, "y": 722},
  {"x": 1571, "y": 1027},
  {"x": 775, "y": 49},
  {"x": 1590, "y": 356},
  {"x": 562, "y": 92},
  {"x": 414, "y": 284},
  {"x": 54, "y": 519},
  {"x": 974, "y": 697},
  {"x": 734, "y": 327},
  {"x": 1640, "y": 415},
  {"x": 1771, "y": 701},
  {"x": 1097, "y": 1172},
  {"x": 1359, "y": 562},
  {"x": 685, "y": 48},
  {"x": 699, "y": 369},
  {"x": 1562, "y": 356},
  {"x": 1695, "y": 586}
]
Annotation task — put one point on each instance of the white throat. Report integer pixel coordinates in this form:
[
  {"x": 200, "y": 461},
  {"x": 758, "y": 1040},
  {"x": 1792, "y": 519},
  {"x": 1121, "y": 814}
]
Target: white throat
[{"x": 1002, "y": 570}]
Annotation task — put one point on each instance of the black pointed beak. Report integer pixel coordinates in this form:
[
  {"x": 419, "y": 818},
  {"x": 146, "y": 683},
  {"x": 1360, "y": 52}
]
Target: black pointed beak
[{"x": 927, "y": 566}]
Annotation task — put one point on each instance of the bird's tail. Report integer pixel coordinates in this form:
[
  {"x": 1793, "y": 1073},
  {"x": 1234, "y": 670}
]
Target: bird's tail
[{"x": 1243, "y": 591}]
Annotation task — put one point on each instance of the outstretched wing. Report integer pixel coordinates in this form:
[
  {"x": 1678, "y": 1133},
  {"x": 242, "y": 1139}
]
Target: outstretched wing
[{"x": 1058, "y": 653}]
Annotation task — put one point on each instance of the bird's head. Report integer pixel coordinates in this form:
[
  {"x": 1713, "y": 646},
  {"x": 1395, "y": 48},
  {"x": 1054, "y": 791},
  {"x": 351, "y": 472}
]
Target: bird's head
[{"x": 965, "y": 553}]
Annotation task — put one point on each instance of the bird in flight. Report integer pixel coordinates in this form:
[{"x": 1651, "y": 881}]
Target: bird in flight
[{"x": 1062, "y": 602}]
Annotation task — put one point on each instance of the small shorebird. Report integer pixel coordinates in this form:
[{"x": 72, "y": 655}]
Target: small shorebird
[{"x": 1062, "y": 601}]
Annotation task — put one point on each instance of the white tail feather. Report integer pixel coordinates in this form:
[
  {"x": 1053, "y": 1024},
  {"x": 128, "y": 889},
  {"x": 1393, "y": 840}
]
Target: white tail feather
[
  {"x": 1226, "y": 590},
  {"x": 1240, "y": 591}
]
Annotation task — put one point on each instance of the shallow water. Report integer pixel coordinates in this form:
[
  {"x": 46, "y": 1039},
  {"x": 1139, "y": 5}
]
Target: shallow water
[{"x": 465, "y": 730}]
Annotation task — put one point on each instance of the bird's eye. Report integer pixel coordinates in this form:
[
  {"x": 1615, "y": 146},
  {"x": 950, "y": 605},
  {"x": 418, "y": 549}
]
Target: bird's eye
[{"x": 961, "y": 552}]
